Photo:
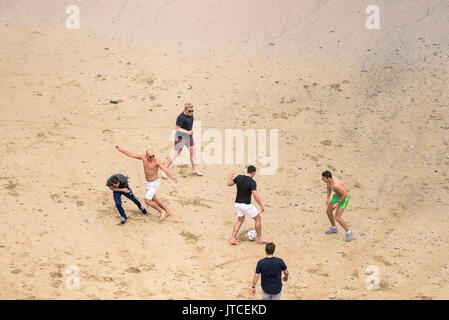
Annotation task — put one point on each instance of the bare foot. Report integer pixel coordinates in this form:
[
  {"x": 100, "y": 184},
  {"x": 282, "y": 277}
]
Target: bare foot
[
  {"x": 261, "y": 240},
  {"x": 197, "y": 173},
  {"x": 163, "y": 215},
  {"x": 234, "y": 242}
]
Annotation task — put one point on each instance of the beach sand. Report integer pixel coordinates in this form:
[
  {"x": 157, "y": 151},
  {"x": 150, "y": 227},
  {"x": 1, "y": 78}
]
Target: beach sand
[{"x": 369, "y": 105}]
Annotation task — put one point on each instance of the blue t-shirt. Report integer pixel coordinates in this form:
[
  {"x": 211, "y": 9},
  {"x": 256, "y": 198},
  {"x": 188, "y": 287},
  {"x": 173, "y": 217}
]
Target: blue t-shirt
[
  {"x": 185, "y": 122},
  {"x": 271, "y": 273}
]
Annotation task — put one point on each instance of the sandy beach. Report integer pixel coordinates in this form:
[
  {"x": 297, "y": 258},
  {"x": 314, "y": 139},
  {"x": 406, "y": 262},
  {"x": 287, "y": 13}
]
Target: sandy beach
[{"x": 369, "y": 105}]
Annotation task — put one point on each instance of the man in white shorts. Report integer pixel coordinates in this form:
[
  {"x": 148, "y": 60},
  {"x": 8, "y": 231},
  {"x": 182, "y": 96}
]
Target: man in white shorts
[
  {"x": 246, "y": 187},
  {"x": 151, "y": 165}
]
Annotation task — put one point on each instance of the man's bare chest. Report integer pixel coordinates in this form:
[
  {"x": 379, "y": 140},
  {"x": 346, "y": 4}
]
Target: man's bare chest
[{"x": 149, "y": 166}]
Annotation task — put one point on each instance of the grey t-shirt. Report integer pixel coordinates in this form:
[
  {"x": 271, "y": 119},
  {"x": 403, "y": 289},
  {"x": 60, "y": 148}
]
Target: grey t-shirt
[{"x": 123, "y": 181}]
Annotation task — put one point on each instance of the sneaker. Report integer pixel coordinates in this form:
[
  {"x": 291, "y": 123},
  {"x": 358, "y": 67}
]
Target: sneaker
[
  {"x": 123, "y": 221},
  {"x": 349, "y": 236},
  {"x": 331, "y": 230},
  {"x": 144, "y": 211}
]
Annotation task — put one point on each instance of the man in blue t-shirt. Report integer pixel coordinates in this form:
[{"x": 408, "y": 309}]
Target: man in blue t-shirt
[
  {"x": 271, "y": 269},
  {"x": 183, "y": 137}
]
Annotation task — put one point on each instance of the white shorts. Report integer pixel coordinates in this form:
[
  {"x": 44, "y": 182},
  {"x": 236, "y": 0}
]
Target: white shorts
[
  {"x": 151, "y": 188},
  {"x": 243, "y": 208}
]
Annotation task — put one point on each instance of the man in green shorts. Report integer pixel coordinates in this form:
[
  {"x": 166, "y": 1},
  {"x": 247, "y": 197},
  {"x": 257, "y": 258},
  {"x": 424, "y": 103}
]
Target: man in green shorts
[{"x": 339, "y": 201}]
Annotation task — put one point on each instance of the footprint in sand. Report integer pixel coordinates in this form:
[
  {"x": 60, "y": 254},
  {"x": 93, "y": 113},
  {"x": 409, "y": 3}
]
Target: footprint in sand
[
  {"x": 196, "y": 202},
  {"x": 56, "y": 274},
  {"x": 190, "y": 237},
  {"x": 132, "y": 270},
  {"x": 56, "y": 198},
  {"x": 79, "y": 203},
  {"x": 11, "y": 186},
  {"x": 335, "y": 87}
]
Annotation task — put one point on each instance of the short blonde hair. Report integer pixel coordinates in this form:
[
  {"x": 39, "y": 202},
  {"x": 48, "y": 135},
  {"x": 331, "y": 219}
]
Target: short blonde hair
[{"x": 188, "y": 105}]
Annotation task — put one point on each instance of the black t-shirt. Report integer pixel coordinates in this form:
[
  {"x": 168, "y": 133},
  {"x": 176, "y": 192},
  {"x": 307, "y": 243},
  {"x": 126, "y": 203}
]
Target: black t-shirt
[
  {"x": 185, "y": 122},
  {"x": 245, "y": 185},
  {"x": 271, "y": 273},
  {"x": 123, "y": 181}
]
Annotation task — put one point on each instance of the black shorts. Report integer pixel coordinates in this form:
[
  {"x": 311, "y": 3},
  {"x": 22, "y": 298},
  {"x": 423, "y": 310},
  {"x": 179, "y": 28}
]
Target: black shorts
[{"x": 181, "y": 141}]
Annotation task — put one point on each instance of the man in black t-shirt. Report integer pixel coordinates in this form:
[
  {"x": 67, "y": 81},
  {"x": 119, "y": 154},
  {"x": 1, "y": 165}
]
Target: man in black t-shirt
[
  {"x": 118, "y": 183},
  {"x": 246, "y": 187},
  {"x": 271, "y": 269},
  {"x": 184, "y": 137}
]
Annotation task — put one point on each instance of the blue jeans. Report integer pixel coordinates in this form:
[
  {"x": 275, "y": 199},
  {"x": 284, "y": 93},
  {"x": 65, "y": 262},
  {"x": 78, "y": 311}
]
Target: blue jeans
[{"x": 118, "y": 201}]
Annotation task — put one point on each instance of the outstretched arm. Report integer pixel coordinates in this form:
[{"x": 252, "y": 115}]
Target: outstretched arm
[
  {"x": 129, "y": 154},
  {"x": 164, "y": 168},
  {"x": 257, "y": 197},
  {"x": 230, "y": 180}
]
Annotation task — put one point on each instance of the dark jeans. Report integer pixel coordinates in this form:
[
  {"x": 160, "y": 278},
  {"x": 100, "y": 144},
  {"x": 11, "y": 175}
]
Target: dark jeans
[{"x": 118, "y": 201}]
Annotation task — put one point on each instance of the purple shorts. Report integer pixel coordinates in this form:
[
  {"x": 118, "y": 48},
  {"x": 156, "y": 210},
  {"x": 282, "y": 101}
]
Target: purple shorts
[{"x": 181, "y": 141}]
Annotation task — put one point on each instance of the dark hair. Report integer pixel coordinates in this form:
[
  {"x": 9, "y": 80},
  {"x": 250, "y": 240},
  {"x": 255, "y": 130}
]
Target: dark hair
[
  {"x": 251, "y": 169},
  {"x": 327, "y": 174},
  {"x": 114, "y": 180},
  {"x": 269, "y": 248}
]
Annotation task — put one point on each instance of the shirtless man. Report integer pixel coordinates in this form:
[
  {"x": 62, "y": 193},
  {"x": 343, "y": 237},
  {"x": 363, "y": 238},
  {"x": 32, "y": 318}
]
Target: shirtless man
[
  {"x": 339, "y": 201},
  {"x": 151, "y": 165},
  {"x": 183, "y": 137}
]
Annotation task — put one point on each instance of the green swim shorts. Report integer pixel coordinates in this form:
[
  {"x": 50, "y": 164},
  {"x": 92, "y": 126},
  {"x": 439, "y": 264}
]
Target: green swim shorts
[{"x": 336, "y": 199}]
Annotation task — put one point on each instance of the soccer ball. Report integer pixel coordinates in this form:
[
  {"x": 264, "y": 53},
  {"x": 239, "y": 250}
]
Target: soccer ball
[{"x": 251, "y": 235}]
